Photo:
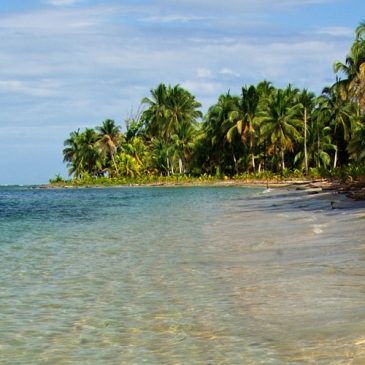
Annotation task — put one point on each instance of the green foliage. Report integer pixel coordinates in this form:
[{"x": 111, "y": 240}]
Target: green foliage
[
  {"x": 58, "y": 179},
  {"x": 265, "y": 133}
]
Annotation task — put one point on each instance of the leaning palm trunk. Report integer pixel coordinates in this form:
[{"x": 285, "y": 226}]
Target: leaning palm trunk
[
  {"x": 335, "y": 159},
  {"x": 305, "y": 141},
  {"x": 318, "y": 147},
  {"x": 168, "y": 163},
  {"x": 114, "y": 163},
  {"x": 282, "y": 162},
  {"x": 252, "y": 156},
  {"x": 180, "y": 166},
  {"x": 235, "y": 161}
]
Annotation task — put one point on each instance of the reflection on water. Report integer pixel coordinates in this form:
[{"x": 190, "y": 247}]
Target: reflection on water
[{"x": 180, "y": 276}]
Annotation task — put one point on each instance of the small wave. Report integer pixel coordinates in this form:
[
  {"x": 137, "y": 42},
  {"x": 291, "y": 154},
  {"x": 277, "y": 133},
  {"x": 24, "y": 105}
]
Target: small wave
[{"x": 317, "y": 228}]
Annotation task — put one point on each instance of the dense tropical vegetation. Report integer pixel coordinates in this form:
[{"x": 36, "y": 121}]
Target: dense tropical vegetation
[{"x": 262, "y": 132}]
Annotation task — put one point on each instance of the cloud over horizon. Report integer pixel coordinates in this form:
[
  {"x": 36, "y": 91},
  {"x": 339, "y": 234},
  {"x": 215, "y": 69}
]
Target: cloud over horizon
[{"x": 62, "y": 2}]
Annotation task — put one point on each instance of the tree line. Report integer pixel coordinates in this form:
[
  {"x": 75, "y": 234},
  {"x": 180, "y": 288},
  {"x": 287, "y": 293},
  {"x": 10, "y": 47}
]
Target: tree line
[{"x": 264, "y": 129}]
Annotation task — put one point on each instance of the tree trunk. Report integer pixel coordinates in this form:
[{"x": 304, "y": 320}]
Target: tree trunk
[
  {"x": 305, "y": 141},
  {"x": 282, "y": 163},
  {"x": 253, "y": 162},
  {"x": 335, "y": 159},
  {"x": 318, "y": 147},
  {"x": 180, "y": 166},
  {"x": 252, "y": 156},
  {"x": 235, "y": 161},
  {"x": 168, "y": 163},
  {"x": 115, "y": 165}
]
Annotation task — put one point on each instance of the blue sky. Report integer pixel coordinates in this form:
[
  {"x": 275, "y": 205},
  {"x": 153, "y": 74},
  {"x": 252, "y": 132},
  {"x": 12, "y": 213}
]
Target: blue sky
[{"x": 68, "y": 64}]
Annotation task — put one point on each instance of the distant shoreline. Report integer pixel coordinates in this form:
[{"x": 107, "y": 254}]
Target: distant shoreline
[{"x": 354, "y": 190}]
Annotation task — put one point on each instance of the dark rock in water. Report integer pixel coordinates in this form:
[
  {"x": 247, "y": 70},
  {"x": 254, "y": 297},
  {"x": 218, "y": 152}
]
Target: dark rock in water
[
  {"x": 341, "y": 204},
  {"x": 357, "y": 195},
  {"x": 301, "y": 188}
]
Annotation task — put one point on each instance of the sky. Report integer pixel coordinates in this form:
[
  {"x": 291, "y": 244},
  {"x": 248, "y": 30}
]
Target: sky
[{"x": 69, "y": 64}]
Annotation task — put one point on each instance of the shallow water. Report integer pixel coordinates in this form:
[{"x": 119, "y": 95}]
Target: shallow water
[{"x": 180, "y": 276}]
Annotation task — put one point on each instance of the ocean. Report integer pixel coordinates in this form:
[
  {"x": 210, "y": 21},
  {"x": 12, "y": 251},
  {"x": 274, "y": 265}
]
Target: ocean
[{"x": 180, "y": 275}]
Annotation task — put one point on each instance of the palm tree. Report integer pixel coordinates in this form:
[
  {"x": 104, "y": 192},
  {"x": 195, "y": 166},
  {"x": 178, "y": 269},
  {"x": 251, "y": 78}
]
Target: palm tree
[
  {"x": 244, "y": 119},
  {"x": 182, "y": 109},
  {"x": 82, "y": 154},
  {"x": 318, "y": 136},
  {"x": 339, "y": 112},
  {"x": 109, "y": 139},
  {"x": 71, "y": 150},
  {"x": 136, "y": 147},
  {"x": 215, "y": 132},
  {"x": 169, "y": 110},
  {"x": 153, "y": 117},
  {"x": 356, "y": 146},
  {"x": 352, "y": 87},
  {"x": 128, "y": 165},
  {"x": 160, "y": 160},
  {"x": 264, "y": 89},
  {"x": 306, "y": 100},
  {"x": 183, "y": 144},
  {"x": 280, "y": 123}
]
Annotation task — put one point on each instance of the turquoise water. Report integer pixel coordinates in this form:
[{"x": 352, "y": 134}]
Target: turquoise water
[{"x": 180, "y": 276}]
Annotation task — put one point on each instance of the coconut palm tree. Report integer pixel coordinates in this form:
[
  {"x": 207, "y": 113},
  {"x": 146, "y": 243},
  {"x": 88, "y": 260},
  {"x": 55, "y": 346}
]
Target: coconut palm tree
[
  {"x": 81, "y": 153},
  {"x": 128, "y": 165},
  {"x": 182, "y": 109},
  {"x": 307, "y": 101},
  {"x": 169, "y": 110},
  {"x": 183, "y": 145},
  {"x": 109, "y": 140},
  {"x": 339, "y": 112},
  {"x": 318, "y": 137},
  {"x": 264, "y": 89},
  {"x": 155, "y": 114},
  {"x": 356, "y": 146},
  {"x": 215, "y": 131},
  {"x": 352, "y": 86},
  {"x": 243, "y": 119},
  {"x": 279, "y": 122},
  {"x": 71, "y": 146},
  {"x": 160, "y": 160}
]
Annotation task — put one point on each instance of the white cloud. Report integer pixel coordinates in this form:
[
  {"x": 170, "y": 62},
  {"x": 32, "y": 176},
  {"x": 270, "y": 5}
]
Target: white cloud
[
  {"x": 55, "y": 20},
  {"x": 62, "y": 2},
  {"x": 242, "y": 6},
  {"x": 228, "y": 72},
  {"x": 203, "y": 72},
  {"x": 204, "y": 40},
  {"x": 171, "y": 18},
  {"x": 41, "y": 89},
  {"x": 336, "y": 31},
  {"x": 206, "y": 88}
]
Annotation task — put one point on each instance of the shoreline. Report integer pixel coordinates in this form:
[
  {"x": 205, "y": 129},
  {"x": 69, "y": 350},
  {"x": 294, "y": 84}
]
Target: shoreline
[
  {"x": 354, "y": 190},
  {"x": 340, "y": 195},
  {"x": 227, "y": 182}
]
